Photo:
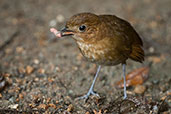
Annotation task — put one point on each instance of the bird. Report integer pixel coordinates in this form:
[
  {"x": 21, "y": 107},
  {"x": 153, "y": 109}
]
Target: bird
[{"x": 105, "y": 40}]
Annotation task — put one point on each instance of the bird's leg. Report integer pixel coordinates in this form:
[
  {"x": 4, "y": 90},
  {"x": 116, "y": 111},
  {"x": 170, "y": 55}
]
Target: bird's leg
[
  {"x": 91, "y": 92},
  {"x": 124, "y": 76}
]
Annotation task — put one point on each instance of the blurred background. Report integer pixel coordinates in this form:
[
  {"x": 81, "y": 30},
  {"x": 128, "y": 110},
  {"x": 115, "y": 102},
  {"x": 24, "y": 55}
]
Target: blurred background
[{"x": 44, "y": 74}]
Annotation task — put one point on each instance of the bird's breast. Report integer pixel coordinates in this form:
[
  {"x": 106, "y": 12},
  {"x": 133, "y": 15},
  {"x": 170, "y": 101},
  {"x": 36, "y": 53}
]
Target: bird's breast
[
  {"x": 98, "y": 53},
  {"x": 90, "y": 51}
]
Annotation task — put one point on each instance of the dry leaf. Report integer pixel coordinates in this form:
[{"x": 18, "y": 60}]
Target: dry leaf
[{"x": 136, "y": 77}]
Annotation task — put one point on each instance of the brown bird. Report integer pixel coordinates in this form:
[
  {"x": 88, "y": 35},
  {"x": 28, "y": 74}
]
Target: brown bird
[{"x": 104, "y": 40}]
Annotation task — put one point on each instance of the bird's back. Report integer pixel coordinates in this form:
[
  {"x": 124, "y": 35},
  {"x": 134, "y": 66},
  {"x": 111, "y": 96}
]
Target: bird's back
[{"x": 129, "y": 42}]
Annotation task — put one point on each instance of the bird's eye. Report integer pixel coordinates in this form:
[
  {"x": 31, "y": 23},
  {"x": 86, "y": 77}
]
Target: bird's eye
[{"x": 82, "y": 28}]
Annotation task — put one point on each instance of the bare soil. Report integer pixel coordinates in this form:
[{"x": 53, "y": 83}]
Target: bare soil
[{"x": 46, "y": 75}]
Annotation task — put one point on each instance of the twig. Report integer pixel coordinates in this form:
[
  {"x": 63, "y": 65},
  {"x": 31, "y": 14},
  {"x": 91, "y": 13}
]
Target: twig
[
  {"x": 6, "y": 43},
  {"x": 9, "y": 40}
]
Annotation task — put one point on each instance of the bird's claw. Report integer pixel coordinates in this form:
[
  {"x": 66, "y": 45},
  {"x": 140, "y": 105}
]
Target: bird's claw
[{"x": 88, "y": 94}]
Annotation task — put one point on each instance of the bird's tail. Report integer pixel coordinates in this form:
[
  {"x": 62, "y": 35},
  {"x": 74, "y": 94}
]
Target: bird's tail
[{"x": 137, "y": 53}]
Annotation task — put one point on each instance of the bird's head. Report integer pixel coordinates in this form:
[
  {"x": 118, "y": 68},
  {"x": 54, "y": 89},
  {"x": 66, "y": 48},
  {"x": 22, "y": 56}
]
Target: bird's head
[{"x": 82, "y": 27}]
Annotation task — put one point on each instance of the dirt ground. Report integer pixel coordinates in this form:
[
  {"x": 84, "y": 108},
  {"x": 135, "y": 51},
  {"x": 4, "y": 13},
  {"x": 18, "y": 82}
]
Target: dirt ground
[{"x": 41, "y": 74}]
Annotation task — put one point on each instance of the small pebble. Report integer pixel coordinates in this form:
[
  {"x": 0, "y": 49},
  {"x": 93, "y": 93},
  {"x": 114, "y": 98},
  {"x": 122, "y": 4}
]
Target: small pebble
[
  {"x": 58, "y": 69},
  {"x": 52, "y": 105},
  {"x": 14, "y": 106},
  {"x": 50, "y": 80},
  {"x": 0, "y": 95},
  {"x": 29, "y": 69},
  {"x": 21, "y": 96},
  {"x": 8, "y": 50},
  {"x": 92, "y": 69},
  {"x": 151, "y": 50},
  {"x": 60, "y": 18},
  {"x": 21, "y": 70},
  {"x": 2, "y": 83},
  {"x": 79, "y": 57},
  {"x": 97, "y": 112},
  {"x": 166, "y": 112},
  {"x": 87, "y": 113},
  {"x": 75, "y": 68},
  {"x": 36, "y": 79},
  {"x": 70, "y": 108},
  {"x": 139, "y": 89},
  {"x": 7, "y": 75},
  {"x": 156, "y": 81},
  {"x": 36, "y": 61},
  {"x": 42, "y": 106},
  {"x": 41, "y": 71},
  {"x": 155, "y": 109},
  {"x": 19, "y": 49},
  {"x": 153, "y": 24},
  {"x": 52, "y": 23},
  {"x": 48, "y": 100}
]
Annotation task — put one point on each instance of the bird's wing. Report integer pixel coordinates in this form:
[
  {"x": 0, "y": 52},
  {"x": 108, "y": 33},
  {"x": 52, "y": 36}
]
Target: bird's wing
[{"x": 123, "y": 32}]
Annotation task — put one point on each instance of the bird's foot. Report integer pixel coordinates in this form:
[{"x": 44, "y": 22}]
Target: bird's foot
[
  {"x": 90, "y": 92},
  {"x": 125, "y": 96}
]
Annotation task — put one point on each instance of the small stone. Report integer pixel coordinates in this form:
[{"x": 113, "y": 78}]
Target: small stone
[
  {"x": 153, "y": 24},
  {"x": 155, "y": 59},
  {"x": 50, "y": 80},
  {"x": 166, "y": 112},
  {"x": 3, "y": 83},
  {"x": 79, "y": 57},
  {"x": 60, "y": 18},
  {"x": 9, "y": 80},
  {"x": 36, "y": 61},
  {"x": 41, "y": 71},
  {"x": 29, "y": 69},
  {"x": 42, "y": 106},
  {"x": 56, "y": 102},
  {"x": 6, "y": 75},
  {"x": 52, "y": 105},
  {"x": 75, "y": 68},
  {"x": 12, "y": 99},
  {"x": 95, "y": 112},
  {"x": 19, "y": 49},
  {"x": 36, "y": 79},
  {"x": 14, "y": 106},
  {"x": 164, "y": 97},
  {"x": 0, "y": 95},
  {"x": 155, "y": 109},
  {"x": 70, "y": 108},
  {"x": 17, "y": 100},
  {"x": 139, "y": 89},
  {"x": 21, "y": 70},
  {"x": 87, "y": 113},
  {"x": 8, "y": 50},
  {"x": 151, "y": 50},
  {"x": 21, "y": 96},
  {"x": 92, "y": 70},
  {"x": 58, "y": 69},
  {"x": 52, "y": 23},
  {"x": 48, "y": 100}
]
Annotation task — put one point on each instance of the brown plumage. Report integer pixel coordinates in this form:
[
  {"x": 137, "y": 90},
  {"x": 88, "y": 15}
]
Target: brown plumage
[
  {"x": 107, "y": 40},
  {"x": 104, "y": 40}
]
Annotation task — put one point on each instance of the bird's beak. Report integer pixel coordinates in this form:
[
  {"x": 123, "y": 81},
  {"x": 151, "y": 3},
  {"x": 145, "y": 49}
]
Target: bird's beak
[{"x": 66, "y": 32}]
